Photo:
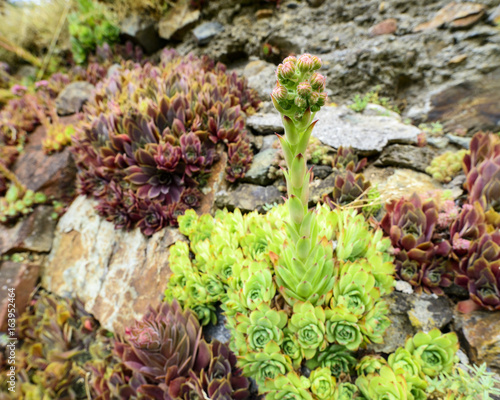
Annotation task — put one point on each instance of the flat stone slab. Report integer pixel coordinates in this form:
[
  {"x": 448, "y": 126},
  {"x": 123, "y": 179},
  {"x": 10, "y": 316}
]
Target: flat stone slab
[
  {"x": 248, "y": 197},
  {"x": 117, "y": 274},
  {"x": 368, "y": 134}
]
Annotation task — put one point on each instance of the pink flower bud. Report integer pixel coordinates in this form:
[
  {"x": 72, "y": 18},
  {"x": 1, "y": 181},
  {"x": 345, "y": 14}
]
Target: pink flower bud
[
  {"x": 291, "y": 59},
  {"x": 18, "y": 90},
  {"x": 300, "y": 102},
  {"x": 305, "y": 63},
  {"x": 285, "y": 71},
  {"x": 88, "y": 325},
  {"x": 318, "y": 82},
  {"x": 322, "y": 99},
  {"x": 313, "y": 99},
  {"x": 304, "y": 89},
  {"x": 316, "y": 62},
  {"x": 280, "y": 92}
]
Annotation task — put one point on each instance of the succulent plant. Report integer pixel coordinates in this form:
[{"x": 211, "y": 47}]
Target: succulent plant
[
  {"x": 322, "y": 383},
  {"x": 402, "y": 361},
  {"x": 308, "y": 324},
  {"x": 446, "y": 166},
  {"x": 370, "y": 364},
  {"x": 347, "y": 159},
  {"x": 289, "y": 386},
  {"x": 469, "y": 225},
  {"x": 483, "y": 146},
  {"x": 154, "y": 131},
  {"x": 434, "y": 352},
  {"x": 483, "y": 184},
  {"x": 337, "y": 358},
  {"x": 57, "y": 339},
  {"x": 346, "y": 391},
  {"x": 90, "y": 26},
  {"x": 348, "y": 189},
  {"x": 479, "y": 271},
  {"x": 383, "y": 385}
]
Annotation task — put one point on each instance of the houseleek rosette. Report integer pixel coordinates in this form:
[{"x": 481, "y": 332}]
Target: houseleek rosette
[
  {"x": 322, "y": 384},
  {"x": 385, "y": 385},
  {"x": 304, "y": 272}
]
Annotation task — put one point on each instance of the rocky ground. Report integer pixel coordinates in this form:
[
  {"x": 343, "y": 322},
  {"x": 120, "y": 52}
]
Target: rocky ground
[{"x": 439, "y": 61}]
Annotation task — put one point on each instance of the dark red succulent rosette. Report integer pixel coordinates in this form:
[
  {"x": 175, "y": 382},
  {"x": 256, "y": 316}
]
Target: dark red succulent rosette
[
  {"x": 467, "y": 227},
  {"x": 346, "y": 158},
  {"x": 479, "y": 271},
  {"x": 347, "y": 188},
  {"x": 483, "y": 184},
  {"x": 240, "y": 157},
  {"x": 483, "y": 146}
]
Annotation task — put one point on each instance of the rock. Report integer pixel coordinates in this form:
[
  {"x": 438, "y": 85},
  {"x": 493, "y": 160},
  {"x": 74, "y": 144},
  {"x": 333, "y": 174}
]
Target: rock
[
  {"x": 117, "y": 274},
  {"x": 386, "y": 27},
  {"x": 33, "y": 233},
  {"x": 176, "y": 20},
  {"x": 439, "y": 142},
  {"x": 378, "y": 110},
  {"x": 341, "y": 126},
  {"x": 400, "y": 328},
  {"x": 458, "y": 59},
  {"x": 481, "y": 331},
  {"x": 257, "y": 173},
  {"x": 456, "y": 185},
  {"x": 143, "y": 31},
  {"x": 494, "y": 16},
  {"x": 263, "y": 13},
  {"x": 321, "y": 171},
  {"x": 456, "y": 15},
  {"x": 463, "y": 142},
  {"x": 268, "y": 141},
  {"x": 315, "y": 3},
  {"x": 261, "y": 77},
  {"x": 403, "y": 156},
  {"x": 114, "y": 69},
  {"x": 318, "y": 188},
  {"x": 248, "y": 197},
  {"x": 403, "y": 287},
  {"x": 21, "y": 277},
  {"x": 53, "y": 175},
  {"x": 73, "y": 97},
  {"x": 264, "y": 124},
  {"x": 219, "y": 331},
  {"x": 255, "y": 141},
  {"x": 207, "y": 31},
  {"x": 395, "y": 183},
  {"x": 429, "y": 311},
  {"x": 469, "y": 105},
  {"x": 214, "y": 183}
]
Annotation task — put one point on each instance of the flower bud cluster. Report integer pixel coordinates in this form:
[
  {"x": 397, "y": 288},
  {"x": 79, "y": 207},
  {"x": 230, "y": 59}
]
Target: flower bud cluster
[{"x": 299, "y": 86}]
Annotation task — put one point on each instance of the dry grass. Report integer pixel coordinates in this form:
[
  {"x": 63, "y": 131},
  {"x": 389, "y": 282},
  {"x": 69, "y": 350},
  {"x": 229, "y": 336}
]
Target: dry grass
[{"x": 34, "y": 26}]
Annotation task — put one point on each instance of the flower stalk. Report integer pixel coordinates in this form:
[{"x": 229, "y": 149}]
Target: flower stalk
[{"x": 304, "y": 273}]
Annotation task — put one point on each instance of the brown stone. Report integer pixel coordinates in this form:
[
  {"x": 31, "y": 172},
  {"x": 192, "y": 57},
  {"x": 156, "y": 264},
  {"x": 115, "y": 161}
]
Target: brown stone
[
  {"x": 53, "y": 174},
  {"x": 33, "y": 233},
  {"x": 21, "y": 277},
  {"x": 458, "y": 59},
  {"x": 386, "y": 27},
  {"x": 481, "y": 330},
  {"x": 117, "y": 274},
  {"x": 264, "y": 13},
  {"x": 456, "y": 15},
  {"x": 469, "y": 105},
  {"x": 177, "y": 20},
  {"x": 214, "y": 184}
]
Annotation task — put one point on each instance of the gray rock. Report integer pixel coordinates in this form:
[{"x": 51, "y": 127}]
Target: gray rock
[
  {"x": 73, "y": 97},
  {"x": 261, "y": 77},
  {"x": 142, "y": 30},
  {"x": 264, "y": 124},
  {"x": 377, "y": 110},
  {"x": 321, "y": 171},
  {"x": 439, "y": 142},
  {"x": 177, "y": 19},
  {"x": 494, "y": 15},
  {"x": 207, "y": 31},
  {"x": 463, "y": 142},
  {"x": 268, "y": 141},
  {"x": 34, "y": 233},
  {"x": 340, "y": 126},
  {"x": 218, "y": 331},
  {"x": 456, "y": 186},
  {"x": 318, "y": 188},
  {"x": 248, "y": 197},
  {"x": 255, "y": 141},
  {"x": 404, "y": 156},
  {"x": 257, "y": 173},
  {"x": 429, "y": 311}
]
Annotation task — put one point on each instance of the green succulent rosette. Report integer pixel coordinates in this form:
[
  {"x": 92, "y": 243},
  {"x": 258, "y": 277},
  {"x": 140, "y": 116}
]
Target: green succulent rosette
[
  {"x": 223, "y": 265},
  {"x": 375, "y": 322},
  {"x": 402, "y": 361},
  {"x": 386, "y": 385},
  {"x": 288, "y": 387},
  {"x": 291, "y": 348},
  {"x": 206, "y": 313},
  {"x": 267, "y": 364},
  {"x": 322, "y": 384},
  {"x": 342, "y": 328},
  {"x": 345, "y": 391},
  {"x": 370, "y": 364},
  {"x": 354, "y": 289},
  {"x": 308, "y": 324},
  {"x": 336, "y": 357},
  {"x": 435, "y": 352},
  {"x": 257, "y": 285},
  {"x": 264, "y": 325}
]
